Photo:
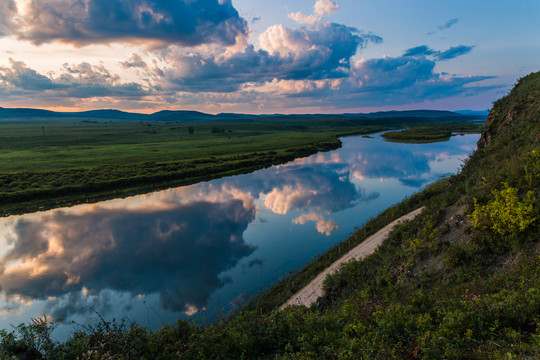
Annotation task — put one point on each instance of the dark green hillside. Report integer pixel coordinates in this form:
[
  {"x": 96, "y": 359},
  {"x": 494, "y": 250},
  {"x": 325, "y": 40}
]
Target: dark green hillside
[{"x": 461, "y": 281}]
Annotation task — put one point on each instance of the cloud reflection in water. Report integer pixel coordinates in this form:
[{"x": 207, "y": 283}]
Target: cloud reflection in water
[
  {"x": 175, "y": 246},
  {"x": 178, "y": 253}
]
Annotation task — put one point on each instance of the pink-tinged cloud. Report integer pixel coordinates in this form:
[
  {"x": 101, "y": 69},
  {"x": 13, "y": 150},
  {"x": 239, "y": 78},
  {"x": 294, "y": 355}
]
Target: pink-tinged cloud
[{"x": 322, "y": 225}]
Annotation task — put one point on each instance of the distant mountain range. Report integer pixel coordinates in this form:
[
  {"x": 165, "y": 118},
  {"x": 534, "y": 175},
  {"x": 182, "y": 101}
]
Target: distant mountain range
[{"x": 196, "y": 116}]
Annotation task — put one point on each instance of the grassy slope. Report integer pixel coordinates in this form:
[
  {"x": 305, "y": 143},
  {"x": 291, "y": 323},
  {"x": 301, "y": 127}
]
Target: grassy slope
[{"x": 439, "y": 287}]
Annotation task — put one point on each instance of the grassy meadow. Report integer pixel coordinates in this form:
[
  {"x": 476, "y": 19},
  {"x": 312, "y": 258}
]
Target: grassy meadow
[{"x": 50, "y": 163}]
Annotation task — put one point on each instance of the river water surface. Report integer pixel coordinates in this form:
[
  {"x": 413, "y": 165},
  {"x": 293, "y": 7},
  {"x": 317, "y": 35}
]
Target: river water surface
[{"x": 197, "y": 249}]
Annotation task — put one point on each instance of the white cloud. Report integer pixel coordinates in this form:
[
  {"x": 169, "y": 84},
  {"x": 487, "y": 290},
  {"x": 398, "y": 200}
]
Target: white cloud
[
  {"x": 321, "y": 8},
  {"x": 325, "y": 7}
]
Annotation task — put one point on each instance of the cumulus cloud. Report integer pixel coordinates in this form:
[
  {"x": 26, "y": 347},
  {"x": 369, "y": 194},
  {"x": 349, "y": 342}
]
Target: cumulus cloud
[
  {"x": 370, "y": 75},
  {"x": 409, "y": 78},
  {"x": 284, "y": 53},
  {"x": 305, "y": 67},
  {"x": 22, "y": 77},
  {"x": 324, "y": 7},
  {"x": 321, "y": 8},
  {"x": 75, "y": 81},
  {"x": 313, "y": 188},
  {"x": 283, "y": 200},
  {"x": 404, "y": 79},
  {"x": 184, "y": 22}
]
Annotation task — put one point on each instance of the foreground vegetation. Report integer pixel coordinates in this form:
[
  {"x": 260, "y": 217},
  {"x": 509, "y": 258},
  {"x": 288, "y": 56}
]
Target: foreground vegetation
[
  {"x": 52, "y": 162},
  {"x": 459, "y": 281}
]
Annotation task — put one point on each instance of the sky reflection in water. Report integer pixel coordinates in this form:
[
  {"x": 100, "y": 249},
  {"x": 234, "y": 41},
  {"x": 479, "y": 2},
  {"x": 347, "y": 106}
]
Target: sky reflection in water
[{"x": 155, "y": 257}]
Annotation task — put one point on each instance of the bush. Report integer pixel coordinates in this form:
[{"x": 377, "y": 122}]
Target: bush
[{"x": 505, "y": 214}]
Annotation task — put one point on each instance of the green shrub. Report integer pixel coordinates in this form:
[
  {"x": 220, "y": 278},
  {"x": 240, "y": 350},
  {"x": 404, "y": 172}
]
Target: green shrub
[{"x": 506, "y": 213}]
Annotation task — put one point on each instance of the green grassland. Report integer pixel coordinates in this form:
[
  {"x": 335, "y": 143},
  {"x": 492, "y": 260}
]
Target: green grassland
[
  {"x": 460, "y": 281},
  {"x": 52, "y": 162},
  {"x": 62, "y": 145}
]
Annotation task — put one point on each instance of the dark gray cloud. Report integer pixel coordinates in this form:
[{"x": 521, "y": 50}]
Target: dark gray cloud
[
  {"x": 176, "y": 253},
  {"x": 77, "y": 303},
  {"x": 76, "y": 81},
  {"x": 183, "y": 22},
  {"x": 298, "y": 64}
]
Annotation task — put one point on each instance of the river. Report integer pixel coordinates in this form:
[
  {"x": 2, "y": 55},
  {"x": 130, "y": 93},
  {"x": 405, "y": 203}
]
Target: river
[{"x": 192, "y": 250}]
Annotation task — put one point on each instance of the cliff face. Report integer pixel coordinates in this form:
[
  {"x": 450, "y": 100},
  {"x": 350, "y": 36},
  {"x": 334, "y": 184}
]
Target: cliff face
[{"x": 521, "y": 104}]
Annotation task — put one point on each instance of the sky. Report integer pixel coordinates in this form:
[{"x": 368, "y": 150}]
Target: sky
[{"x": 257, "y": 56}]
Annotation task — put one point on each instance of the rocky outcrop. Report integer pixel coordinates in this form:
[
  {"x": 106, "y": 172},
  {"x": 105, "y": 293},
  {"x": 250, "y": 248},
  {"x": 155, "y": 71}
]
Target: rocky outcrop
[
  {"x": 494, "y": 125},
  {"x": 522, "y": 103}
]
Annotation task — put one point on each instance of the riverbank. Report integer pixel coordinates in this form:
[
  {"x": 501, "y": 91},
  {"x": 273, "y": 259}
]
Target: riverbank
[
  {"x": 50, "y": 163},
  {"x": 65, "y": 164},
  {"x": 123, "y": 181},
  {"x": 309, "y": 294}
]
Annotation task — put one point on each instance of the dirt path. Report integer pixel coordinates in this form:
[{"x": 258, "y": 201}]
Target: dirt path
[{"x": 311, "y": 292}]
